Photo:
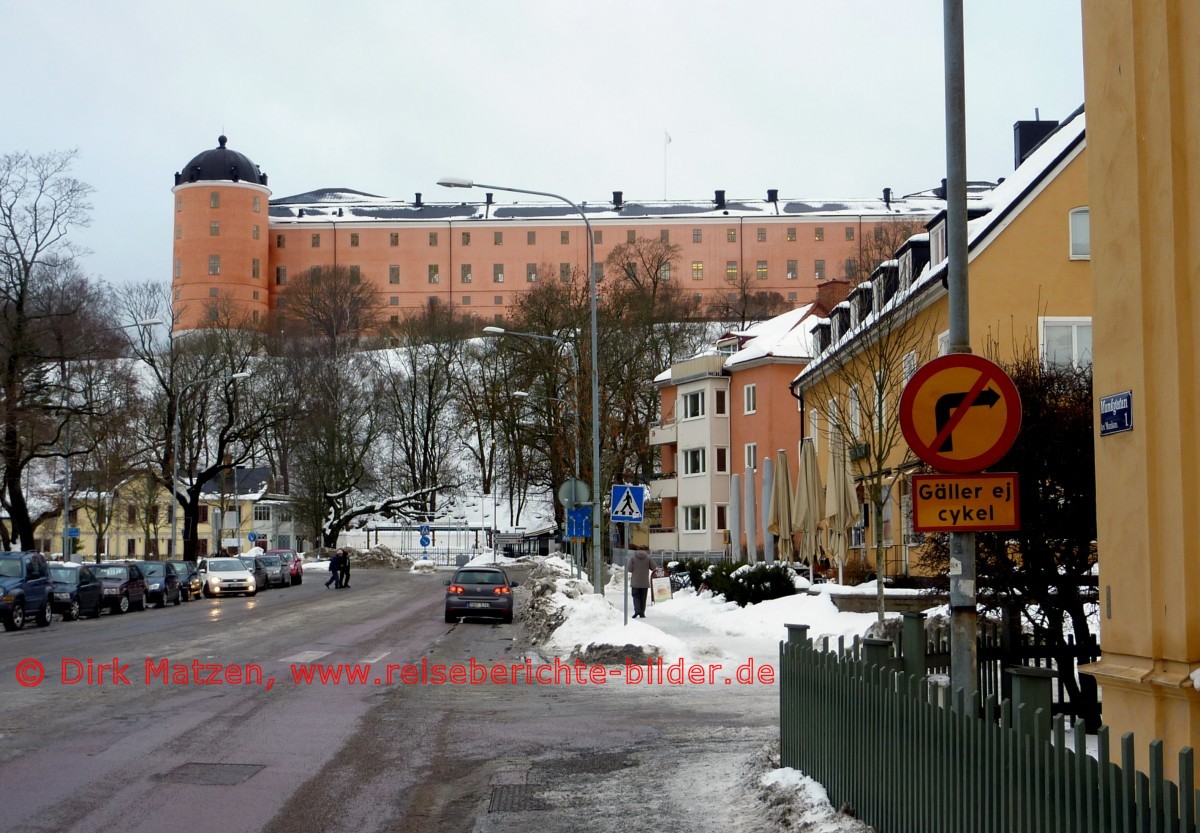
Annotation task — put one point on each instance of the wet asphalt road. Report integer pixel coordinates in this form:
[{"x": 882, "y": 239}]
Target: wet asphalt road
[{"x": 365, "y": 756}]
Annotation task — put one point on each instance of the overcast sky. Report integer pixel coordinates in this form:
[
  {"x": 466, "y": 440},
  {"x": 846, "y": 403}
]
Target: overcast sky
[{"x": 831, "y": 99}]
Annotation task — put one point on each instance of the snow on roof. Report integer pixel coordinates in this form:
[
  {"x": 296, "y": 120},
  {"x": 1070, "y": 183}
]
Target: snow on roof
[
  {"x": 786, "y": 336},
  {"x": 1000, "y": 202},
  {"x": 323, "y": 205}
]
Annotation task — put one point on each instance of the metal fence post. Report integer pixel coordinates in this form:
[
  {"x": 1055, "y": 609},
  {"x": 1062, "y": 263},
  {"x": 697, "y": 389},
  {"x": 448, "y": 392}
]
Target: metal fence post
[
  {"x": 913, "y": 642},
  {"x": 1032, "y": 690}
]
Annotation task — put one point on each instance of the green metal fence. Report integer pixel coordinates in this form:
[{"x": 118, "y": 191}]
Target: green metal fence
[{"x": 910, "y": 759}]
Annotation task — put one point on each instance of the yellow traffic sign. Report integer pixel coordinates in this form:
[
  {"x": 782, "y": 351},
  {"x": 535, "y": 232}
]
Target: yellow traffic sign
[
  {"x": 960, "y": 413},
  {"x": 965, "y": 502}
]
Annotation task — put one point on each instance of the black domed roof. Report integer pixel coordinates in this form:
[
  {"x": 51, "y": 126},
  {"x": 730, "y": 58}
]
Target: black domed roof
[{"x": 221, "y": 163}]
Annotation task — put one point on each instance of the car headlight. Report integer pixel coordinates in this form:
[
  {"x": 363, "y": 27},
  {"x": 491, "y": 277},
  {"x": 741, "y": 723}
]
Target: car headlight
[
  {"x": 214, "y": 581},
  {"x": 63, "y": 596},
  {"x": 156, "y": 586}
]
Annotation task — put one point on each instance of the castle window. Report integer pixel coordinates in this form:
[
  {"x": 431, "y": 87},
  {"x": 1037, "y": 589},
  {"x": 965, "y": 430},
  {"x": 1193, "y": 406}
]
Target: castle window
[
  {"x": 531, "y": 272},
  {"x": 254, "y": 273},
  {"x": 761, "y": 270},
  {"x": 281, "y": 276},
  {"x": 434, "y": 276},
  {"x": 354, "y": 240},
  {"x": 394, "y": 273},
  {"x": 465, "y": 273},
  {"x": 254, "y": 232},
  {"x": 762, "y": 235},
  {"x": 280, "y": 241},
  {"x": 257, "y": 205},
  {"x": 355, "y": 275},
  {"x": 791, "y": 234},
  {"x": 395, "y": 238},
  {"x": 466, "y": 238},
  {"x": 819, "y": 233},
  {"x": 731, "y": 235},
  {"x": 433, "y": 238},
  {"x": 178, "y": 203},
  {"x": 466, "y": 300},
  {"x": 631, "y": 236},
  {"x": 214, "y": 264},
  {"x": 394, "y": 300},
  {"x": 178, "y": 232},
  {"x": 498, "y": 238},
  {"x": 697, "y": 235},
  {"x": 212, "y": 292},
  {"x": 531, "y": 237},
  {"x": 178, "y": 267},
  {"x": 698, "y": 270},
  {"x": 214, "y": 229},
  {"x": 597, "y": 237},
  {"x": 564, "y": 237},
  {"x": 214, "y": 199},
  {"x": 316, "y": 241},
  {"x": 849, "y": 232}
]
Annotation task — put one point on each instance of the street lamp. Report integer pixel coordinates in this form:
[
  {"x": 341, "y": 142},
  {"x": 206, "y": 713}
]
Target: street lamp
[
  {"x": 179, "y": 442},
  {"x": 597, "y": 542},
  {"x": 67, "y": 469}
]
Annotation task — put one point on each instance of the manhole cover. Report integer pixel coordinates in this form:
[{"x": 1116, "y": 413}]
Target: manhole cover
[
  {"x": 512, "y": 797},
  {"x": 215, "y": 774}
]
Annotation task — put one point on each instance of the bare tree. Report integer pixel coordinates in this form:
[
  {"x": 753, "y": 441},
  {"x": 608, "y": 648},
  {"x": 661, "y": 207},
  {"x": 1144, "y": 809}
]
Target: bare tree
[
  {"x": 743, "y": 303},
  {"x": 333, "y": 304},
  {"x": 859, "y": 386}
]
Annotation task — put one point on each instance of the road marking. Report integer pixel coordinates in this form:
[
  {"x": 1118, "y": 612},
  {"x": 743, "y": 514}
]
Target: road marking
[
  {"x": 370, "y": 660},
  {"x": 306, "y": 656}
]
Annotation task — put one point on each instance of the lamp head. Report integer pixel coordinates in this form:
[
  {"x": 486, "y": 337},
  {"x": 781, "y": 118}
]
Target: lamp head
[
  {"x": 243, "y": 375},
  {"x": 455, "y": 182},
  {"x": 521, "y": 394},
  {"x": 494, "y": 330},
  {"x": 149, "y": 322}
]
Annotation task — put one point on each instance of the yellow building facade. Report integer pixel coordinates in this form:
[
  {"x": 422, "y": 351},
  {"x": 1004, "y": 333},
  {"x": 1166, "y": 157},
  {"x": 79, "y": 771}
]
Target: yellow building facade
[
  {"x": 1142, "y": 87},
  {"x": 1029, "y": 280}
]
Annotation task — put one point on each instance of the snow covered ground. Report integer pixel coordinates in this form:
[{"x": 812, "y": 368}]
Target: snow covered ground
[{"x": 700, "y": 629}]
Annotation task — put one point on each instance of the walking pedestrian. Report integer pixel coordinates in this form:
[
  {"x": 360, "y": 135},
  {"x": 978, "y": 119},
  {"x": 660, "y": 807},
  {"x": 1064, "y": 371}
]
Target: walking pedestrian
[
  {"x": 344, "y": 568},
  {"x": 639, "y": 565},
  {"x": 335, "y": 574}
]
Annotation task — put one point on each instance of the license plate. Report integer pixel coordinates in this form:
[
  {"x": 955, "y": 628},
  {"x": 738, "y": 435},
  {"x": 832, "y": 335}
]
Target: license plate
[{"x": 478, "y": 604}]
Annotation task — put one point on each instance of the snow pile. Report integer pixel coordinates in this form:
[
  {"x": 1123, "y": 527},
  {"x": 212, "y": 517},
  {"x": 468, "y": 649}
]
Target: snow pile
[
  {"x": 792, "y": 801},
  {"x": 424, "y": 564},
  {"x": 379, "y": 557}
]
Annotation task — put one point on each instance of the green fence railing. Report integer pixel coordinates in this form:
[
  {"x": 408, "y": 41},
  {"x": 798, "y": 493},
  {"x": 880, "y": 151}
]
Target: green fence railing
[{"x": 910, "y": 758}]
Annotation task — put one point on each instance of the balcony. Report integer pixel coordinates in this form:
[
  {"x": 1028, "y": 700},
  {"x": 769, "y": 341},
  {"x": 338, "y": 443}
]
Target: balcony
[
  {"x": 664, "y": 432},
  {"x": 664, "y": 486},
  {"x": 664, "y": 538}
]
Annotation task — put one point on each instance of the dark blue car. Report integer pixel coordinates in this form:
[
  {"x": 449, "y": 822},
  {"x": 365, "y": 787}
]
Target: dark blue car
[
  {"x": 76, "y": 590},
  {"x": 25, "y": 589}
]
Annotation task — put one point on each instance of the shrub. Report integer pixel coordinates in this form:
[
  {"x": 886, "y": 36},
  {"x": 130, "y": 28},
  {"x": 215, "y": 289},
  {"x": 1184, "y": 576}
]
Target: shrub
[{"x": 745, "y": 584}]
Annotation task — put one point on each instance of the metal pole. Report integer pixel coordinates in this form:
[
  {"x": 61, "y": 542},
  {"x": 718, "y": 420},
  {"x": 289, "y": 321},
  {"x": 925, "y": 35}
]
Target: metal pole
[{"x": 963, "y": 652}]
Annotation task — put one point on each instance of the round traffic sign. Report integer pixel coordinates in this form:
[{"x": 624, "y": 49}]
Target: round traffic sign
[
  {"x": 250, "y": 536},
  {"x": 960, "y": 413},
  {"x": 424, "y": 541},
  {"x": 573, "y": 492}
]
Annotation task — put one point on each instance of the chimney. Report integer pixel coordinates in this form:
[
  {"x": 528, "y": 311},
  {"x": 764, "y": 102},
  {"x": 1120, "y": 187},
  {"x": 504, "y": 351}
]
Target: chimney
[
  {"x": 488, "y": 197},
  {"x": 887, "y": 197},
  {"x": 942, "y": 190},
  {"x": 417, "y": 202},
  {"x": 719, "y": 199},
  {"x": 831, "y": 293},
  {"x": 618, "y": 199},
  {"x": 1027, "y": 135},
  {"x": 772, "y": 195}
]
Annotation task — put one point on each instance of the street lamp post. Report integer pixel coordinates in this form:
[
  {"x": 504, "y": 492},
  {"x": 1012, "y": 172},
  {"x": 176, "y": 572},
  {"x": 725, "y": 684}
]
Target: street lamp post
[
  {"x": 178, "y": 445},
  {"x": 597, "y": 542}
]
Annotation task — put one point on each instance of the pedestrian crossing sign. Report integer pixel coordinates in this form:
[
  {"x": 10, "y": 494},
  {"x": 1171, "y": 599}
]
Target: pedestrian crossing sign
[{"x": 627, "y": 504}]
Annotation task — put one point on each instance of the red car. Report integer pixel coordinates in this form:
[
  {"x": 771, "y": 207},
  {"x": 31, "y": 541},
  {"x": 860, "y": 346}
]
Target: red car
[{"x": 295, "y": 564}]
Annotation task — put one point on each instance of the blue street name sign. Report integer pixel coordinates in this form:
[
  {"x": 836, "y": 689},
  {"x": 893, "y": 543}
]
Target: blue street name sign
[
  {"x": 72, "y": 532},
  {"x": 1116, "y": 413}
]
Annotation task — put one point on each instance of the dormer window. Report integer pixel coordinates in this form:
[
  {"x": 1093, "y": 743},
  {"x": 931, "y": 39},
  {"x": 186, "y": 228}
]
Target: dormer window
[
  {"x": 937, "y": 242},
  {"x": 906, "y": 269}
]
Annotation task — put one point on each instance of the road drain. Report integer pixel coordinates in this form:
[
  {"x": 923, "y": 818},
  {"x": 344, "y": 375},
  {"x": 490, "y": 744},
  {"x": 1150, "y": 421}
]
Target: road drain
[
  {"x": 214, "y": 774},
  {"x": 513, "y": 797}
]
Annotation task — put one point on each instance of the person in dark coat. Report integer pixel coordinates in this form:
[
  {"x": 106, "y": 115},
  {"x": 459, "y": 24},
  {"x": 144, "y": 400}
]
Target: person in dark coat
[
  {"x": 344, "y": 568},
  {"x": 335, "y": 570}
]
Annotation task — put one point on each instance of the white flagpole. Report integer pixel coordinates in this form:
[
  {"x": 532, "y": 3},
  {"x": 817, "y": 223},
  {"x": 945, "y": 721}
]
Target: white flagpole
[{"x": 665, "y": 143}]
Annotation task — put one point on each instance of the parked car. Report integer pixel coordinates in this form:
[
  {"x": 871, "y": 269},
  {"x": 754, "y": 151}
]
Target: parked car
[
  {"x": 479, "y": 591},
  {"x": 258, "y": 570},
  {"x": 122, "y": 586},
  {"x": 162, "y": 583},
  {"x": 226, "y": 576},
  {"x": 277, "y": 572},
  {"x": 294, "y": 563},
  {"x": 76, "y": 590},
  {"x": 190, "y": 584},
  {"x": 25, "y": 590}
]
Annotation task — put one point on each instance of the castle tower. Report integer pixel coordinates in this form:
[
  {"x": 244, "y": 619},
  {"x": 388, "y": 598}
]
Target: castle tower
[{"x": 222, "y": 239}]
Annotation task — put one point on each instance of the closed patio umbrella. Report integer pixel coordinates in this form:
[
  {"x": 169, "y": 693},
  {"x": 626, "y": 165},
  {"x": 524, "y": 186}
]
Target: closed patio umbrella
[
  {"x": 808, "y": 503},
  {"x": 841, "y": 502},
  {"x": 780, "y": 520}
]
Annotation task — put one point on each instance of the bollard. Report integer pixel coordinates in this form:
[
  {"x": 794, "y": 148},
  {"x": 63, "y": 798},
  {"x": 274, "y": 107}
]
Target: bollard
[
  {"x": 912, "y": 642},
  {"x": 1033, "y": 693},
  {"x": 797, "y": 634},
  {"x": 939, "y": 690}
]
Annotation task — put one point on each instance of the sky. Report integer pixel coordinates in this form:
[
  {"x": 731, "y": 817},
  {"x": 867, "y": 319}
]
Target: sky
[{"x": 836, "y": 99}]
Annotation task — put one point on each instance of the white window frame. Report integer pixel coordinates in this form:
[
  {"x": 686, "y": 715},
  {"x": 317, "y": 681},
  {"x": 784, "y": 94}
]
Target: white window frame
[
  {"x": 1079, "y": 230},
  {"x": 693, "y": 397},
  {"x": 695, "y": 518},
  {"x": 750, "y": 398},
  {"x": 751, "y": 451},
  {"x": 854, "y": 412},
  {"x": 1075, "y": 323},
  {"x": 814, "y": 426},
  {"x": 943, "y": 342},
  {"x": 692, "y": 461},
  {"x": 910, "y": 365}
]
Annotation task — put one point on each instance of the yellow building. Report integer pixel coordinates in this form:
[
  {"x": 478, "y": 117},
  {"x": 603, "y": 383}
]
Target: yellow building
[
  {"x": 133, "y": 518},
  {"x": 1030, "y": 286},
  {"x": 1142, "y": 87}
]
